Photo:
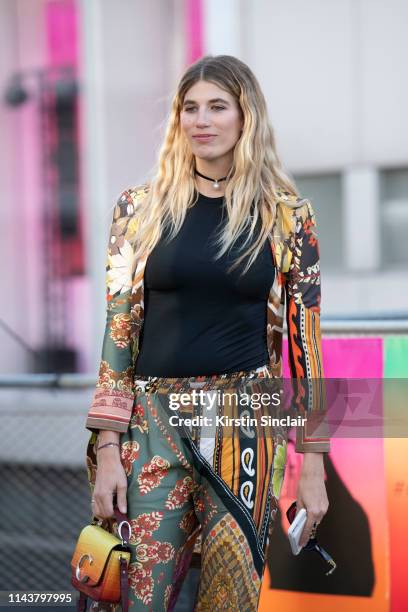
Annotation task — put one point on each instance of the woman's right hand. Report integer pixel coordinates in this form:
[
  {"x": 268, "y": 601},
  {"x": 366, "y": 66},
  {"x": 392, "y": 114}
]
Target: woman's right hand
[{"x": 110, "y": 479}]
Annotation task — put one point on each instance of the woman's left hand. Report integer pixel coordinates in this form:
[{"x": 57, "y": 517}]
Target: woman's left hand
[{"x": 311, "y": 493}]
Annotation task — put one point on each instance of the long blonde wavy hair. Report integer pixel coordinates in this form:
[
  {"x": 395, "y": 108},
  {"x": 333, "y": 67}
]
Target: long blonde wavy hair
[{"x": 254, "y": 178}]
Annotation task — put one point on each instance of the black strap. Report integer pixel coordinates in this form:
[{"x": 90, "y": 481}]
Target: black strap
[
  {"x": 328, "y": 558},
  {"x": 124, "y": 585},
  {"x": 82, "y": 602},
  {"x": 209, "y": 178},
  {"x": 125, "y": 534}
]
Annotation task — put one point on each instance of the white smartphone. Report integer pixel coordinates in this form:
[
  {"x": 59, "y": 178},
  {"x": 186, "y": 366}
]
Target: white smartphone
[{"x": 295, "y": 531}]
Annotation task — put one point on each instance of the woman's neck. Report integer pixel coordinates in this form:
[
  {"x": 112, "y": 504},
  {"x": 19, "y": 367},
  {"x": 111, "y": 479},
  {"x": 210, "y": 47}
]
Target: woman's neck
[
  {"x": 206, "y": 187},
  {"x": 214, "y": 170}
]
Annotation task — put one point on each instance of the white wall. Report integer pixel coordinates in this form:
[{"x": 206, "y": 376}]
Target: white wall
[
  {"x": 384, "y": 55},
  {"x": 333, "y": 74},
  {"x": 302, "y": 55}
]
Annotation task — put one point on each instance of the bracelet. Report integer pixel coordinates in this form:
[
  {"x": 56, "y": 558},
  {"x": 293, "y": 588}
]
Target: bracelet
[{"x": 108, "y": 444}]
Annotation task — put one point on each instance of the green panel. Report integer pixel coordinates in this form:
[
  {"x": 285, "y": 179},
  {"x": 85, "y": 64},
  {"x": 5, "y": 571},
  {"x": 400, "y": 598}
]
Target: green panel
[{"x": 396, "y": 357}]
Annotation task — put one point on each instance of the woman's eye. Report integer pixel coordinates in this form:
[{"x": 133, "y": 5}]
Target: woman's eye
[{"x": 215, "y": 107}]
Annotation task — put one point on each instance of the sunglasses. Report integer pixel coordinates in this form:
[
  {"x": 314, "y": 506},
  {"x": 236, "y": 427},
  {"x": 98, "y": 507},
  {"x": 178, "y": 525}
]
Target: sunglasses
[{"x": 312, "y": 543}]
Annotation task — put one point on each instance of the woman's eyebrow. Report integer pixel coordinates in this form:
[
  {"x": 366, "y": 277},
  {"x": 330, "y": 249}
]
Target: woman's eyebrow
[{"x": 212, "y": 101}]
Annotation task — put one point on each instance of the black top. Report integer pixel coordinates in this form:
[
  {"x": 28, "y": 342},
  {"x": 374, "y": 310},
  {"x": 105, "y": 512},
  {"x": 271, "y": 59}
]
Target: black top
[{"x": 198, "y": 319}]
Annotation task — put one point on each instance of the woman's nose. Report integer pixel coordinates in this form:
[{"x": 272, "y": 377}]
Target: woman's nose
[{"x": 202, "y": 119}]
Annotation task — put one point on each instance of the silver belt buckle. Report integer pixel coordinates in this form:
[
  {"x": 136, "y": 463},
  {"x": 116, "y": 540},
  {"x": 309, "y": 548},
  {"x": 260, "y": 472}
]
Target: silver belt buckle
[{"x": 141, "y": 383}]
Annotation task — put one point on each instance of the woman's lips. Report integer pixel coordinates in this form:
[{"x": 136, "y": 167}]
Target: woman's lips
[{"x": 203, "y": 138}]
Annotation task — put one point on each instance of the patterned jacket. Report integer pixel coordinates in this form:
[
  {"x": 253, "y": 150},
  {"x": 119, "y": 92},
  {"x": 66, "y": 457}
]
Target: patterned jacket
[{"x": 295, "y": 252}]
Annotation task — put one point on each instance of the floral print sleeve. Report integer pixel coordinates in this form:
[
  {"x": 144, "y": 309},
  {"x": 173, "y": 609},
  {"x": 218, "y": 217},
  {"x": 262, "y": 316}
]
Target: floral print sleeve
[
  {"x": 304, "y": 338},
  {"x": 113, "y": 398}
]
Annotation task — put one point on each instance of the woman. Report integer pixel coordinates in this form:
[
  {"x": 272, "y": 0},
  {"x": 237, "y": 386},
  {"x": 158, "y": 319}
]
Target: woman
[{"x": 199, "y": 264}]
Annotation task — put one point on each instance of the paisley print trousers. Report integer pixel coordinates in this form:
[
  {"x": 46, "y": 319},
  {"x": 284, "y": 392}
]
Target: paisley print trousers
[{"x": 204, "y": 478}]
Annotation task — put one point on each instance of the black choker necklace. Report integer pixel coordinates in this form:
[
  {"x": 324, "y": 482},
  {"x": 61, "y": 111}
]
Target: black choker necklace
[{"x": 215, "y": 182}]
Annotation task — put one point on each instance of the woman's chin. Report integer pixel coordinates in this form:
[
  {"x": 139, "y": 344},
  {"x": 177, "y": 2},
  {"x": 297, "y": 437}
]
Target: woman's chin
[{"x": 207, "y": 155}]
